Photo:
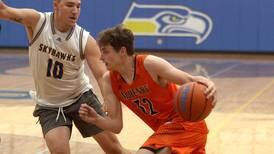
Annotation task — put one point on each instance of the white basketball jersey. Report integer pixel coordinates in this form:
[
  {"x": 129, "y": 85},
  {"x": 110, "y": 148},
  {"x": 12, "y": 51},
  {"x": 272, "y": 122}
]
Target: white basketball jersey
[{"x": 57, "y": 63}]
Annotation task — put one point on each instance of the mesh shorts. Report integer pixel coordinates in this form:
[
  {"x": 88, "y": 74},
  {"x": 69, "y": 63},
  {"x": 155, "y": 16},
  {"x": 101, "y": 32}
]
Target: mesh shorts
[
  {"x": 49, "y": 118},
  {"x": 180, "y": 140}
]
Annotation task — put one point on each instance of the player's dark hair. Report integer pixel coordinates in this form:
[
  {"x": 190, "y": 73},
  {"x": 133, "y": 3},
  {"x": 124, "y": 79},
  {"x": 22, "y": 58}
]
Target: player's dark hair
[{"x": 117, "y": 37}]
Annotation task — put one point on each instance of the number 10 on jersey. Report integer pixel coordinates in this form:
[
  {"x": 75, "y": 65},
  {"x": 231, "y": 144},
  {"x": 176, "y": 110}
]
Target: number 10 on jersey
[{"x": 55, "y": 69}]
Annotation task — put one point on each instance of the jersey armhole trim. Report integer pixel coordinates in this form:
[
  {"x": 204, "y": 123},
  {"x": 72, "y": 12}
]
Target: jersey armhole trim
[
  {"x": 39, "y": 32},
  {"x": 82, "y": 55}
]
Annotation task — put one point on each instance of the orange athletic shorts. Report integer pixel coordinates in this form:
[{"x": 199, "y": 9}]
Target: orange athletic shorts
[{"x": 181, "y": 137}]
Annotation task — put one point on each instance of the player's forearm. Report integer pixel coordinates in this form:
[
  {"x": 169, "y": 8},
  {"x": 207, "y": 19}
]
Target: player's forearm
[
  {"x": 25, "y": 16},
  {"x": 10, "y": 14},
  {"x": 109, "y": 124},
  {"x": 183, "y": 77},
  {"x": 1, "y": 3},
  {"x": 2, "y": 10},
  {"x": 199, "y": 78},
  {"x": 190, "y": 78},
  {"x": 100, "y": 84}
]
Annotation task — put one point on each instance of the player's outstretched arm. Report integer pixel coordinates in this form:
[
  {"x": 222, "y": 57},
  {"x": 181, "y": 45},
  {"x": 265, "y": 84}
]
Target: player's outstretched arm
[
  {"x": 160, "y": 68},
  {"x": 25, "y": 16},
  {"x": 113, "y": 121},
  {"x": 92, "y": 54}
]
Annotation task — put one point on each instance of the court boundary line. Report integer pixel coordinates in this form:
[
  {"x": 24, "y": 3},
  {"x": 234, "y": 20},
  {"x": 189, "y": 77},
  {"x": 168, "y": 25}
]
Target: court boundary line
[
  {"x": 223, "y": 70},
  {"x": 228, "y": 118}
]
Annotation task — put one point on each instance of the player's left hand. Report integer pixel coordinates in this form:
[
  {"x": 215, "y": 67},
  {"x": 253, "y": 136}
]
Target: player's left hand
[
  {"x": 211, "y": 88},
  {"x": 88, "y": 114}
]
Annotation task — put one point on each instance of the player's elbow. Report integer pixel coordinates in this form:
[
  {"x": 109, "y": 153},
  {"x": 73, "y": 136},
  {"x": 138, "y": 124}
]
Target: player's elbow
[{"x": 117, "y": 129}]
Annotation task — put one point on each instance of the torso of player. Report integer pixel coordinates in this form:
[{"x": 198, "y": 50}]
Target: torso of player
[
  {"x": 57, "y": 65},
  {"x": 144, "y": 96}
]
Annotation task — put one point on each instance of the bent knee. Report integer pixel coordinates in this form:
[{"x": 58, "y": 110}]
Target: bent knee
[
  {"x": 114, "y": 149},
  {"x": 165, "y": 150},
  {"x": 59, "y": 150}
]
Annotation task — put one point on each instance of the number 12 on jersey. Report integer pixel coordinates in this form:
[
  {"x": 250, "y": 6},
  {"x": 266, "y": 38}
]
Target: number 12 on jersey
[{"x": 55, "y": 69}]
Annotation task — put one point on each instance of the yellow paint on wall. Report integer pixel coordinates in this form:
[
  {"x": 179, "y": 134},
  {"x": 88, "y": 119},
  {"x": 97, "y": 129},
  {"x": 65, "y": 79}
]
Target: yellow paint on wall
[{"x": 141, "y": 26}]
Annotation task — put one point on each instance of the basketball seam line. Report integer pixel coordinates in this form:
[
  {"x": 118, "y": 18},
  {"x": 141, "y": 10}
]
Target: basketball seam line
[
  {"x": 192, "y": 93},
  {"x": 205, "y": 106}
]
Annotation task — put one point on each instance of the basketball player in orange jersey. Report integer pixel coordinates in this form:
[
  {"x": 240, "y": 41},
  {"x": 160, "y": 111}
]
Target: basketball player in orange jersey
[
  {"x": 146, "y": 84},
  {"x": 58, "y": 48}
]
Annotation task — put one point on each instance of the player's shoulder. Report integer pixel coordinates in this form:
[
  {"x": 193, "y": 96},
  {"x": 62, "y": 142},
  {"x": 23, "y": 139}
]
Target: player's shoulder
[
  {"x": 80, "y": 31},
  {"x": 151, "y": 60},
  {"x": 48, "y": 15},
  {"x": 154, "y": 64},
  {"x": 144, "y": 58}
]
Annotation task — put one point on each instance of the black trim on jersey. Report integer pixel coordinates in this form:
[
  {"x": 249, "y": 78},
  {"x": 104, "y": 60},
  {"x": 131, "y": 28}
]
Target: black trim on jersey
[
  {"x": 135, "y": 69},
  {"x": 70, "y": 33},
  {"x": 82, "y": 55},
  {"x": 52, "y": 23},
  {"x": 152, "y": 149},
  {"x": 53, "y": 28},
  {"x": 39, "y": 31}
]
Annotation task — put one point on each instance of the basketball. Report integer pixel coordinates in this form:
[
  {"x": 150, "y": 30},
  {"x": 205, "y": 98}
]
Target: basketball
[{"x": 191, "y": 102}]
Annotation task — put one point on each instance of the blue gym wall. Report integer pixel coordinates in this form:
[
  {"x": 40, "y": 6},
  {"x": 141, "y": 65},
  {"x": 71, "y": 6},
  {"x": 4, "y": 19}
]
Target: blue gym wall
[{"x": 183, "y": 25}]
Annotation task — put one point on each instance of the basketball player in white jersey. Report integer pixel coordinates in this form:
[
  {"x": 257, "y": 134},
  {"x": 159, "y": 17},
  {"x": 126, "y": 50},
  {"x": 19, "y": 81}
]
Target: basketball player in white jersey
[{"x": 57, "y": 50}]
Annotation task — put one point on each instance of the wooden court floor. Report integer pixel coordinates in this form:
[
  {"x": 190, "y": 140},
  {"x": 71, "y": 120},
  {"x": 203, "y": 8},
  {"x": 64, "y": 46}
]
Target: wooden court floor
[{"x": 241, "y": 123}]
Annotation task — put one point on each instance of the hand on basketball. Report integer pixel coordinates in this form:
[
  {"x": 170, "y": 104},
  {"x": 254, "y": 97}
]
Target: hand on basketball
[
  {"x": 210, "y": 90},
  {"x": 87, "y": 113}
]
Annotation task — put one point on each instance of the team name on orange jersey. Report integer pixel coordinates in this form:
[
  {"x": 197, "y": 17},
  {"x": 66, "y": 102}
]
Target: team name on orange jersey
[{"x": 135, "y": 92}]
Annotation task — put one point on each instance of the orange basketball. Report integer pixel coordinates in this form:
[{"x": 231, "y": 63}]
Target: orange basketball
[{"x": 191, "y": 102}]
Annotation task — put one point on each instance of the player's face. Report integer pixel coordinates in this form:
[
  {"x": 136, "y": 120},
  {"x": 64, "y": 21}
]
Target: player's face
[
  {"x": 110, "y": 57},
  {"x": 67, "y": 11}
]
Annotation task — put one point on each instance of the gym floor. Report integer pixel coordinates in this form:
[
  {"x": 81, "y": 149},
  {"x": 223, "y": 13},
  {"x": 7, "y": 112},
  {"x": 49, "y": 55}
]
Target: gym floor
[{"x": 241, "y": 122}]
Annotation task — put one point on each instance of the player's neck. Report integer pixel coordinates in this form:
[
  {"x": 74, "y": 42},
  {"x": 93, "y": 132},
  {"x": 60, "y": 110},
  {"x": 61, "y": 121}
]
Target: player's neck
[
  {"x": 61, "y": 27},
  {"x": 127, "y": 70}
]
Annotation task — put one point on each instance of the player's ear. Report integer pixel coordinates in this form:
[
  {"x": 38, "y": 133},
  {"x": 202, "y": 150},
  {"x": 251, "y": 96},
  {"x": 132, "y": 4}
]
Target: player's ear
[
  {"x": 55, "y": 4},
  {"x": 123, "y": 50}
]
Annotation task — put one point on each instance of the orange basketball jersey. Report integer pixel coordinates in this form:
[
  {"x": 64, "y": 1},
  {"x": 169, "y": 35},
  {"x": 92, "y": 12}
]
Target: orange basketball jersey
[
  {"x": 148, "y": 100},
  {"x": 151, "y": 102}
]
